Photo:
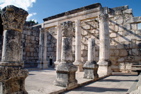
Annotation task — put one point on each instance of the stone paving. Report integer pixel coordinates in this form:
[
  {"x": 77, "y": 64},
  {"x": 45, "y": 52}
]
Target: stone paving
[{"x": 41, "y": 82}]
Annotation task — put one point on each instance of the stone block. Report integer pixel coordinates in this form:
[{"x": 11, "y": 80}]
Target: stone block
[
  {"x": 123, "y": 53},
  {"x": 113, "y": 35},
  {"x": 135, "y": 52},
  {"x": 128, "y": 11},
  {"x": 122, "y": 66},
  {"x": 121, "y": 59}
]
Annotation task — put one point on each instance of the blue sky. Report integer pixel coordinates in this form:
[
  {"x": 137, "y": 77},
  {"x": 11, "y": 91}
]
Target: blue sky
[{"x": 39, "y": 9}]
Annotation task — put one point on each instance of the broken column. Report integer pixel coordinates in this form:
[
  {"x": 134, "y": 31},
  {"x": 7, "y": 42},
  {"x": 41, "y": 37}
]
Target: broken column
[
  {"x": 90, "y": 67},
  {"x": 77, "y": 61},
  {"x": 12, "y": 74},
  {"x": 104, "y": 53},
  {"x": 65, "y": 69}
]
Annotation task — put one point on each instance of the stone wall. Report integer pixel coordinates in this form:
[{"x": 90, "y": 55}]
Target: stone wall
[
  {"x": 125, "y": 39},
  {"x": 51, "y": 45},
  {"x": 30, "y": 44}
]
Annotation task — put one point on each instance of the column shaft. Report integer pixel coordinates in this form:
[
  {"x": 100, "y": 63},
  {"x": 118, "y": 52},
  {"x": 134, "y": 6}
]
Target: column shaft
[
  {"x": 41, "y": 42},
  {"x": 58, "y": 47},
  {"x": 45, "y": 64},
  {"x": 77, "y": 61}
]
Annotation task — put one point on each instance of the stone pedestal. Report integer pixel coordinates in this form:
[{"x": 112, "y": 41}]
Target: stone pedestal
[
  {"x": 90, "y": 67},
  {"x": 66, "y": 70},
  {"x": 12, "y": 76},
  {"x": 104, "y": 53},
  {"x": 66, "y": 75},
  {"x": 12, "y": 80}
]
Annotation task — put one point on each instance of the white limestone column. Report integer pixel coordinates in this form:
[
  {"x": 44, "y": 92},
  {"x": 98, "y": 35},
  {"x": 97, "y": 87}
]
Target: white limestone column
[
  {"x": 90, "y": 67},
  {"x": 45, "y": 63},
  {"x": 91, "y": 49},
  {"x": 41, "y": 42},
  {"x": 77, "y": 61},
  {"x": 104, "y": 62},
  {"x": 58, "y": 47}
]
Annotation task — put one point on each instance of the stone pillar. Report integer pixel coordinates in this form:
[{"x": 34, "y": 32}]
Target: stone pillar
[
  {"x": 45, "y": 63},
  {"x": 66, "y": 70},
  {"x": 58, "y": 47},
  {"x": 104, "y": 53},
  {"x": 41, "y": 42},
  {"x": 77, "y": 61},
  {"x": 13, "y": 75},
  {"x": 90, "y": 67}
]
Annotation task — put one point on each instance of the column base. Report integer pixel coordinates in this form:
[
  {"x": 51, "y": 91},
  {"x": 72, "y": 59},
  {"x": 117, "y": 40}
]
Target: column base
[
  {"x": 66, "y": 75},
  {"x": 79, "y": 65},
  {"x": 57, "y": 62},
  {"x": 90, "y": 70},
  {"x": 12, "y": 80},
  {"x": 45, "y": 64},
  {"x": 104, "y": 68}
]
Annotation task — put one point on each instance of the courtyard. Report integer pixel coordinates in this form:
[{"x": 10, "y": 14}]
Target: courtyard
[{"x": 41, "y": 82}]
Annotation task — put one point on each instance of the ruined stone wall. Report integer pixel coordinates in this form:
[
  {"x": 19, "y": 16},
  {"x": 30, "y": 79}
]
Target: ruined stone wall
[
  {"x": 125, "y": 39},
  {"x": 30, "y": 45}
]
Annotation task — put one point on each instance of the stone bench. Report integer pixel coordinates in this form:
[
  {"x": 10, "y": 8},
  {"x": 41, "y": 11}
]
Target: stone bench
[{"x": 136, "y": 68}]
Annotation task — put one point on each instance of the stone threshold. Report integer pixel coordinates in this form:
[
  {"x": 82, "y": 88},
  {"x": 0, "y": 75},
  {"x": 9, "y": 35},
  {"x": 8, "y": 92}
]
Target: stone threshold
[{"x": 79, "y": 85}]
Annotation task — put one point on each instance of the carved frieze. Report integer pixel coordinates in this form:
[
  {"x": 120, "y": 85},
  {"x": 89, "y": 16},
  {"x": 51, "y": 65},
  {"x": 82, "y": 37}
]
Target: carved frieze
[{"x": 13, "y": 18}]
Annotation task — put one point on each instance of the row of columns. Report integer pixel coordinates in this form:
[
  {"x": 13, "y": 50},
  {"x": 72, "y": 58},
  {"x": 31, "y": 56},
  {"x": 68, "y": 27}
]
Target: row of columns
[{"x": 66, "y": 70}]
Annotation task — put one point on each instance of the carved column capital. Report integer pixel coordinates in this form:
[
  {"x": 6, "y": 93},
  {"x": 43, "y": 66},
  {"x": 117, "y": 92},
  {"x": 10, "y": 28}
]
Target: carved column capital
[{"x": 13, "y": 18}]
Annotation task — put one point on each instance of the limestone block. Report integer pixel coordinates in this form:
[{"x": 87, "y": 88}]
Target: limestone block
[
  {"x": 135, "y": 52},
  {"x": 116, "y": 52},
  {"x": 86, "y": 27},
  {"x": 84, "y": 32},
  {"x": 137, "y": 58},
  {"x": 128, "y": 11},
  {"x": 116, "y": 28},
  {"x": 122, "y": 66},
  {"x": 128, "y": 66},
  {"x": 120, "y": 59},
  {"x": 123, "y": 53},
  {"x": 120, "y": 46},
  {"x": 112, "y": 52},
  {"x": 112, "y": 35}
]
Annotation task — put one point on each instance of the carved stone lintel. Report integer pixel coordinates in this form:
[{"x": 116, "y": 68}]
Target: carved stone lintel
[
  {"x": 13, "y": 18},
  {"x": 12, "y": 80}
]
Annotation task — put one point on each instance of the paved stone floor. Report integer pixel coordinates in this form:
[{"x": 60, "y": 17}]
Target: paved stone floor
[{"x": 41, "y": 82}]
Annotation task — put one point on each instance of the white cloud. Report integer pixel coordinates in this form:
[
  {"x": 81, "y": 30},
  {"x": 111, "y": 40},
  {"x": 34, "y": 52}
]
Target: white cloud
[
  {"x": 30, "y": 15},
  {"x": 25, "y": 4}
]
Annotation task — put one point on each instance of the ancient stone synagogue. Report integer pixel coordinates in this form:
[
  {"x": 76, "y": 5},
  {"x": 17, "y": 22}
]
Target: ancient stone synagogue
[{"x": 42, "y": 43}]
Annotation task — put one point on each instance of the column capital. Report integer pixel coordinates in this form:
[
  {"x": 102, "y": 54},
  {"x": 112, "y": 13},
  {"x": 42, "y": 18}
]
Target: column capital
[{"x": 13, "y": 18}]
